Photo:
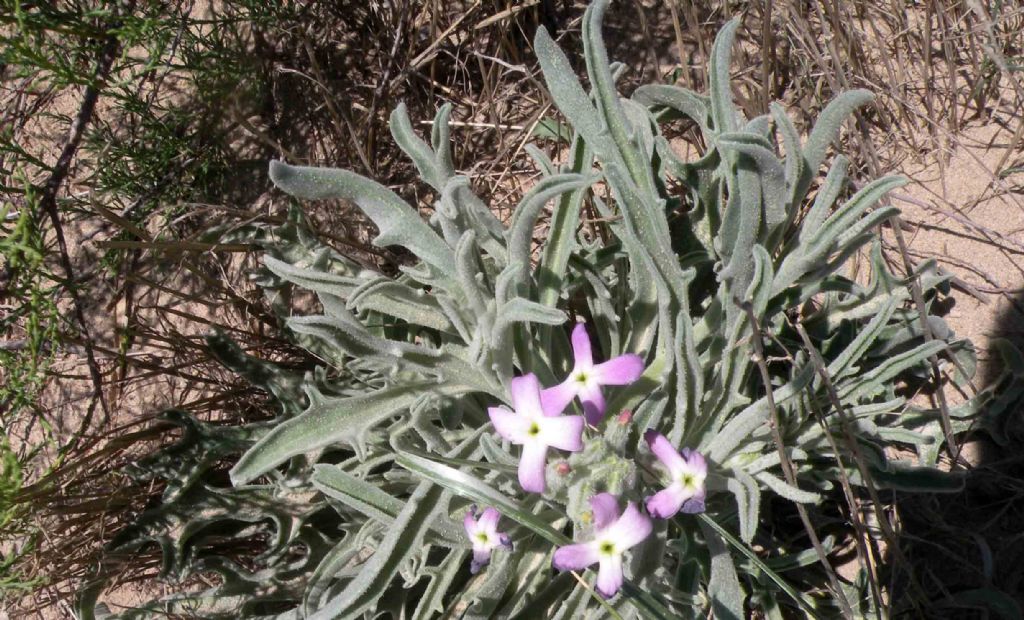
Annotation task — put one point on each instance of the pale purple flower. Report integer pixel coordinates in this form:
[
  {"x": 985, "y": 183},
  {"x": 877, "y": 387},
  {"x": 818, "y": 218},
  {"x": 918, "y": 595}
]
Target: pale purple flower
[
  {"x": 613, "y": 535},
  {"x": 586, "y": 378},
  {"x": 536, "y": 429},
  {"x": 687, "y": 472},
  {"x": 484, "y": 535}
]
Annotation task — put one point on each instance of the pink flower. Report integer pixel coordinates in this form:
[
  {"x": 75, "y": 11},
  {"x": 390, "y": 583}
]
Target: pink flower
[
  {"x": 614, "y": 534},
  {"x": 484, "y": 535},
  {"x": 536, "y": 428},
  {"x": 687, "y": 472},
  {"x": 586, "y": 378}
]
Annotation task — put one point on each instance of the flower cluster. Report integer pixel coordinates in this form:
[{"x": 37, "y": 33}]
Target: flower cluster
[{"x": 536, "y": 422}]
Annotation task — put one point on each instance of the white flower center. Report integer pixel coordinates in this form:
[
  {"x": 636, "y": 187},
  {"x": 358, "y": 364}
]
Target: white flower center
[{"x": 691, "y": 481}]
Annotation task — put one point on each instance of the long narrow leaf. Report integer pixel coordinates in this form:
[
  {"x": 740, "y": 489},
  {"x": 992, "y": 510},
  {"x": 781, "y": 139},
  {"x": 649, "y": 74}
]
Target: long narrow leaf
[{"x": 472, "y": 488}]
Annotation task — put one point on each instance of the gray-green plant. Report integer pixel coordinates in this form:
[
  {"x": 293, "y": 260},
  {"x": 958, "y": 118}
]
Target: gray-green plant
[{"x": 729, "y": 274}]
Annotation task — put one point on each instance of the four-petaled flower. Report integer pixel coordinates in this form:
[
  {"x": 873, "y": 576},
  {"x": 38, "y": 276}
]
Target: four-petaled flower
[
  {"x": 484, "y": 535},
  {"x": 687, "y": 472},
  {"x": 535, "y": 428},
  {"x": 613, "y": 535},
  {"x": 586, "y": 378}
]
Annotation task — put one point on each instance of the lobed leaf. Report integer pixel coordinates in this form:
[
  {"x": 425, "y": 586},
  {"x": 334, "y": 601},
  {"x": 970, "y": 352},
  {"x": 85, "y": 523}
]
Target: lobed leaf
[
  {"x": 398, "y": 223},
  {"x": 334, "y": 421}
]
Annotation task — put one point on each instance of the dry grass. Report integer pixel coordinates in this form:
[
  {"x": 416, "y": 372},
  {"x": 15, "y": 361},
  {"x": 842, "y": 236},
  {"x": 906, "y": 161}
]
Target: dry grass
[{"x": 316, "y": 86}]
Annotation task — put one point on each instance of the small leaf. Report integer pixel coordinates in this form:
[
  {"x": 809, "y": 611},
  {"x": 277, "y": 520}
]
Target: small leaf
[
  {"x": 870, "y": 381},
  {"x": 336, "y": 559},
  {"x": 900, "y": 476},
  {"x": 723, "y": 111},
  {"x": 417, "y": 150},
  {"x": 440, "y": 139},
  {"x": 522, "y": 310},
  {"x": 682, "y": 100},
  {"x": 558, "y": 587},
  {"x": 549, "y": 128},
  {"x": 784, "y": 489},
  {"x": 412, "y": 305},
  {"x": 568, "y": 94},
  {"x": 845, "y": 361},
  {"x": 561, "y": 241},
  {"x": 748, "y": 502},
  {"x": 720, "y": 446},
  {"x": 520, "y": 233},
  {"x": 828, "y": 193},
  {"x": 314, "y": 279},
  {"x": 724, "y": 588},
  {"x": 827, "y": 127}
]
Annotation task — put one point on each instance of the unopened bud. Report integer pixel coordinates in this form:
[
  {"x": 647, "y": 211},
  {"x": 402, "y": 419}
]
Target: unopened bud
[
  {"x": 563, "y": 468},
  {"x": 625, "y": 417}
]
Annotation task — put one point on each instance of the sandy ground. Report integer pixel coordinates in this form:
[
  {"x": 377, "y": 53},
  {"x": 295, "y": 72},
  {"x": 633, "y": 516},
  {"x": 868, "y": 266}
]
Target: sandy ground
[{"x": 972, "y": 222}]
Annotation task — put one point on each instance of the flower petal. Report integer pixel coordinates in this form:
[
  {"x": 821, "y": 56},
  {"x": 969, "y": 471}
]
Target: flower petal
[
  {"x": 563, "y": 432},
  {"x": 631, "y": 528},
  {"x": 481, "y": 558},
  {"x": 695, "y": 462},
  {"x": 695, "y": 504},
  {"x": 526, "y": 395},
  {"x": 575, "y": 557},
  {"x": 666, "y": 503},
  {"x": 609, "y": 575},
  {"x": 606, "y": 510},
  {"x": 593, "y": 404},
  {"x": 509, "y": 424},
  {"x": 489, "y": 522},
  {"x": 469, "y": 522},
  {"x": 531, "y": 467},
  {"x": 621, "y": 370},
  {"x": 554, "y": 400},
  {"x": 667, "y": 454},
  {"x": 581, "y": 347}
]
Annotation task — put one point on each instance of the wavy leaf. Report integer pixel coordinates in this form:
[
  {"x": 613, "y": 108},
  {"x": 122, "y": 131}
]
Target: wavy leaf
[{"x": 398, "y": 223}]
